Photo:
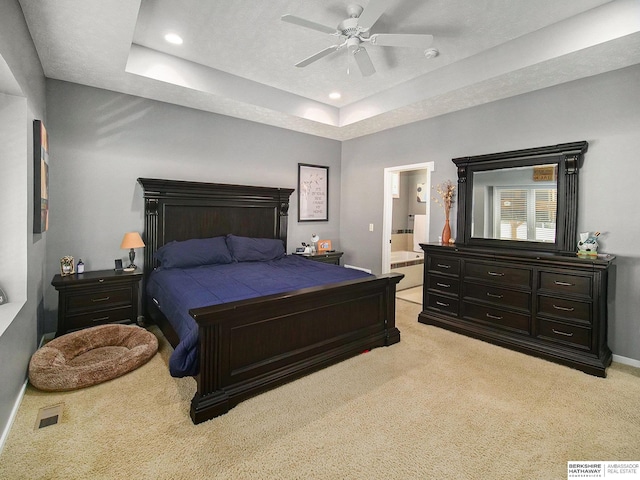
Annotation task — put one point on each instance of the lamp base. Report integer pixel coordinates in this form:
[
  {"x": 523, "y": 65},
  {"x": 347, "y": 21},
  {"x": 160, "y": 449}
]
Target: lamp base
[{"x": 129, "y": 269}]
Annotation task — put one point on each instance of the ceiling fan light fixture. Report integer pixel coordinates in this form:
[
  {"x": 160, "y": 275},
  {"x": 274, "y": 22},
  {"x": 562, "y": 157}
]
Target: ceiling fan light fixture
[
  {"x": 431, "y": 53},
  {"x": 173, "y": 38}
]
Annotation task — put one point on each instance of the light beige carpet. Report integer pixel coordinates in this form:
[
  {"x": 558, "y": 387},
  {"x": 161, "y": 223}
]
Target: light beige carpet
[
  {"x": 413, "y": 294},
  {"x": 437, "y": 405}
]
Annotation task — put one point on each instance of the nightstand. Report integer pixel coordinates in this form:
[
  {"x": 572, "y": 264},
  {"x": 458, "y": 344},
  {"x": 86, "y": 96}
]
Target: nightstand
[
  {"x": 325, "y": 257},
  {"x": 95, "y": 298}
]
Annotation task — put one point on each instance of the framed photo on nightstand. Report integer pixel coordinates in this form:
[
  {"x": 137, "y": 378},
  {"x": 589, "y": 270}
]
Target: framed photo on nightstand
[{"x": 324, "y": 246}]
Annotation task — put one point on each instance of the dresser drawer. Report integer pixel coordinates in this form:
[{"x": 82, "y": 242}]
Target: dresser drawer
[
  {"x": 497, "y": 318},
  {"x": 572, "y": 335},
  {"x": 446, "y": 265},
  {"x": 497, "y": 273},
  {"x": 114, "y": 315},
  {"x": 105, "y": 298},
  {"x": 443, "y": 304},
  {"x": 494, "y": 294},
  {"x": 569, "y": 284},
  {"x": 565, "y": 309},
  {"x": 442, "y": 284}
]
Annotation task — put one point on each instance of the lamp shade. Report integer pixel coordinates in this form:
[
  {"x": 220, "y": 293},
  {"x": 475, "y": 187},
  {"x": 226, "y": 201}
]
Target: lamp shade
[{"x": 132, "y": 240}]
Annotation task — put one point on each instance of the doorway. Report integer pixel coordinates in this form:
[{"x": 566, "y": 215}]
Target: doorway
[{"x": 406, "y": 224}]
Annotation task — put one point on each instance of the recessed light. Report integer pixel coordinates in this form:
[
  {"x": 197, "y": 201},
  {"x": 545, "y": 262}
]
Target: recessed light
[
  {"x": 173, "y": 38},
  {"x": 334, "y": 95}
]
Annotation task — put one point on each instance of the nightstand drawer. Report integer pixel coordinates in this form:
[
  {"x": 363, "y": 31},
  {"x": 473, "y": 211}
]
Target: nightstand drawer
[
  {"x": 99, "y": 299},
  {"x": 114, "y": 315}
]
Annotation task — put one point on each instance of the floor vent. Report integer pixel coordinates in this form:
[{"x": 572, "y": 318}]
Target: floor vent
[{"x": 48, "y": 416}]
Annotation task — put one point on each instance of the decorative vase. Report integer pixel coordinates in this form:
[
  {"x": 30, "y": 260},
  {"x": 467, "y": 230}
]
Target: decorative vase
[{"x": 446, "y": 231}]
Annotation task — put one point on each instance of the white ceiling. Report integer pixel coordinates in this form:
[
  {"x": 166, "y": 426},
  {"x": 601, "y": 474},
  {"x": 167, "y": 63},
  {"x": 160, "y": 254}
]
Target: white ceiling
[{"x": 238, "y": 57}]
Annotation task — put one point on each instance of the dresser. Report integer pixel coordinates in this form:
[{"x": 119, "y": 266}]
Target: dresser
[
  {"x": 95, "y": 298},
  {"x": 550, "y": 305}
]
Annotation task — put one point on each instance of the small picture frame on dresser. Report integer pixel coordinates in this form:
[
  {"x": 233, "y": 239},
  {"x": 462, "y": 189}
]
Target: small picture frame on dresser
[{"x": 118, "y": 267}]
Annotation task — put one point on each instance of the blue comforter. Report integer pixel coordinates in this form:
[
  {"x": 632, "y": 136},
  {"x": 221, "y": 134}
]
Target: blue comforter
[{"x": 177, "y": 290}]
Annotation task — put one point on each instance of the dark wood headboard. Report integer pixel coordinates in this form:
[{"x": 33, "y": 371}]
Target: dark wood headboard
[{"x": 180, "y": 210}]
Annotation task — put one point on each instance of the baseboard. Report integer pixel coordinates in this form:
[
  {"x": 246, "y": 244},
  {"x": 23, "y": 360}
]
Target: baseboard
[
  {"x": 626, "y": 361},
  {"x": 12, "y": 417}
]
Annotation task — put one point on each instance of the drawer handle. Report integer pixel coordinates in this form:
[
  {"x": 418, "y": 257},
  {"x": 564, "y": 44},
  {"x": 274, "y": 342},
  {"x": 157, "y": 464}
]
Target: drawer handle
[
  {"x": 496, "y": 274},
  {"x": 103, "y": 299},
  {"x": 493, "y": 317},
  {"x": 441, "y": 265},
  {"x": 443, "y": 285},
  {"x": 493, "y": 295},
  {"x": 566, "y": 334},
  {"x": 442, "y": 304},
  {"x": 564, "y": 309},
  {"x": 101, "y": 319},
  {"x": 564, "y": 284},
  {"x": 101, "y": 280}
]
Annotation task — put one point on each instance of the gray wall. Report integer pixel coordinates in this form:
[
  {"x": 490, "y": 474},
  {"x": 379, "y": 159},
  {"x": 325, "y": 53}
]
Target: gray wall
[
  {"x": 102, "y": 141},
  {"x": 602, "y": 110},
  {"x": 19, "y": 341}
]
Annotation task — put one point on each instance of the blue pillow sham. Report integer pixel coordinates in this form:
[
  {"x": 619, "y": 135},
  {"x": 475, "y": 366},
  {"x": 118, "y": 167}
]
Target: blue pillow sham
[
  {"x": 247, "y": 249},
  {"x": 194, "y": 252}
]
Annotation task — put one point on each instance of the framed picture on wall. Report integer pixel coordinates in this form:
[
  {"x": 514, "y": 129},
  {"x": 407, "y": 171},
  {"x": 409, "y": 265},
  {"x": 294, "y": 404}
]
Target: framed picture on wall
[
  {"x": 313, "y": 193},
  {"x": 40, "y": 178}
]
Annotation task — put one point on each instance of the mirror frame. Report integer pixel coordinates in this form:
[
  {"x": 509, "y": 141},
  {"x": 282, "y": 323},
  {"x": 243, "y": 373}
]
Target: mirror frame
[{"x": 568, "y": 157}]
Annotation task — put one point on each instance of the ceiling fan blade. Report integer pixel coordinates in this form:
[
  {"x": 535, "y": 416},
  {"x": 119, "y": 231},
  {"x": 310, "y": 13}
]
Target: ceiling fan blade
[
  {"x": 401, "y": 40},
  {"x": 364, "y": 62},
  {"x": 308, "y": 24},
  {"x": 317, "y": 56},
  {"x": 372, "y": 12}
]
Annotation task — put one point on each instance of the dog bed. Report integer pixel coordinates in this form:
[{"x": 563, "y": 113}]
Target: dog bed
[{"x": 90, "y": 356}]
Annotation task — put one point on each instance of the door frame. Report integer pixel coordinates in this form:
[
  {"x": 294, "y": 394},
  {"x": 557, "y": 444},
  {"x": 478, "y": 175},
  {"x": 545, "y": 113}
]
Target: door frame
[{"x": 387, "y": 217}]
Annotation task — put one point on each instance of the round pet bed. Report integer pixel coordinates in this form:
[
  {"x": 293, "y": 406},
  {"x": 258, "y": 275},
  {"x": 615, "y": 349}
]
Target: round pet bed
[{"x": 90, "y": 356}]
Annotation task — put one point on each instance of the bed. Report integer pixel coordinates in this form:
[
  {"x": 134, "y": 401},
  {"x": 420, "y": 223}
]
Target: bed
[{"x": 248, "y": 346}]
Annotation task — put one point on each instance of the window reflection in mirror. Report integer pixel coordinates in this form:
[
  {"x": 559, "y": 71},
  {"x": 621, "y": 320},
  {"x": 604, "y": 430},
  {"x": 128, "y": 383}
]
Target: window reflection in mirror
[{"x": 516, "y": 203}]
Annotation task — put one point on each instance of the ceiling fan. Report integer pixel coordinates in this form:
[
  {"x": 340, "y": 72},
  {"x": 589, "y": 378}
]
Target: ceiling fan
[{"x": 354, "y": 31}]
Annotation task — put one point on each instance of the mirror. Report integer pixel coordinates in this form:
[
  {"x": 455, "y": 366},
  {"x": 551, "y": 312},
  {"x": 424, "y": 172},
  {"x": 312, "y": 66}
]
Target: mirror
[
  {"x": 523, "y": 199},
  {"x": 518, "y": 203}
]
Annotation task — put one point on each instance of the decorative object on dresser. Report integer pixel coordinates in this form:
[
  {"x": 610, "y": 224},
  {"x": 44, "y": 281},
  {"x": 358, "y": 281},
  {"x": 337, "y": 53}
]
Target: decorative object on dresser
[
  {"x": 446, "y": 191},
  {"x": 514, "y": 278},
  {"x": 131, "y": 241},
  {"x": 95, "y": 298},
  {"x": 3, "y": 297},
  {"x": 245, "y": 347}
]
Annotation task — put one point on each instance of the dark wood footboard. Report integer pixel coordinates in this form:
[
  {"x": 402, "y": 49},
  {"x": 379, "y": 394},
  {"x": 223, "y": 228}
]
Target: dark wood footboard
[{"x": 251, "y": 346}]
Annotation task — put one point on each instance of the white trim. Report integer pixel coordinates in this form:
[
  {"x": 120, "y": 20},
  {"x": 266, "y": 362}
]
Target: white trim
[
  {"x": 626, "y": 361},
  {"x": 13, "y": 415},
  {"x": 388, "y": 206}
]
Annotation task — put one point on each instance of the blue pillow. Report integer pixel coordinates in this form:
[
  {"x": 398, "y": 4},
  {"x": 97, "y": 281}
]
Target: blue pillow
[
  {"x": 247, "y": 249},
  {"x": 194, "y": 252}
]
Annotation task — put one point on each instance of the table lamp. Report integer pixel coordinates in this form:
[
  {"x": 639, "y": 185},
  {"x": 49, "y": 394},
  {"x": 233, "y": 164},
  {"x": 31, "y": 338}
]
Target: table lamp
[{"x": 131, "y": 240}]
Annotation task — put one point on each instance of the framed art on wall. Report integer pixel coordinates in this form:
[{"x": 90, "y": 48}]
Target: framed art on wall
[
  {"x": 313, "y": 193},
  {"x": 40, "y": 178}
]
